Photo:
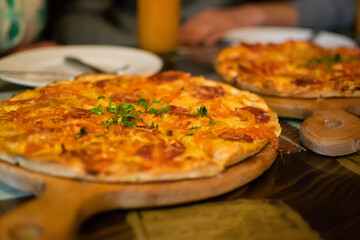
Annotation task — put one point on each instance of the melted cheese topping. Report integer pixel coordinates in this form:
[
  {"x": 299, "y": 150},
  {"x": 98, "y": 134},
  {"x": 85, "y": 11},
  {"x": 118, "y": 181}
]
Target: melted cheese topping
[{"x": 159, "y": 124}]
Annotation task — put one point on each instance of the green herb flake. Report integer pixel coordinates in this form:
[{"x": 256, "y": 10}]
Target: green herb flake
[
  {"x": 190, "y": 134},
  {"x": 194, "y": 128},
  {"x": 112, "y": 109},
  {"x": 156, "y": 101},
  {"x": 329, "y": 59},
  {"x": 101, "y": 135},
  {"x": 212, "y": 122},
  {"x": 335, "y": 59},
  {"x": 130, "y": 115},
  {"x": 153, "y": 111},
  {"x": 128, "y": 123},
  {"x": 169, "y": 133},
  {"x": 152, "y": 125},
  {"x": 202, "y": 111},
  {"x": 100, "y": 97},
  {"x": 309, "y": 63},
  {"x": 119, "y": 119},
  {"x": 97, "y": 110},
  {"x": 110, "y": 101},
  {"x": 166, "y": 108},
  {"x": 81, "y": 133},
  {"x": 126, "y": 106},
  {"x": 319, "y": 60},
  {"x": 142, "y": 102}
]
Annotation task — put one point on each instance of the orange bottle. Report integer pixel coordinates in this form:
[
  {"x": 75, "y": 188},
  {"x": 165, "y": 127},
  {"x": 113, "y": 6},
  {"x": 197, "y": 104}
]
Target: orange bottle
[{"x": 158, "y": 25}]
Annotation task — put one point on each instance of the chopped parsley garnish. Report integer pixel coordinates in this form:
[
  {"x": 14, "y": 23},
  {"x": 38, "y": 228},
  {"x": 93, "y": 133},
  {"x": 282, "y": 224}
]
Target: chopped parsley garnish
[
  {"x": 130, "y": 115},
  {"x": 110, "y": 101},
  {"x": 97, "y": 110},
  {"x": 123, "y": 114},
  {"x": 309, "y": 63},
  {"x": 157, "y": 125},
  {"x": 112, "y": 109},
  {"x": 201, "y": 111},
  {"x": 169, "y": 133},
  {"x": 128, "y": 123},
  {"x": 166, "y": 108},
  {"x": 190, "y": 134},
  {"x": 194, "y": 128},
  {"x": 126, "y": 113},
  {"x": 156, "y": 101},
  {"x": 335, "y": 59},
  {"x": 153, "y": 111},
  {"x": 127, "y": 106},
  {"x": 101, "y": 135},
  {"x": 211, "y": 122},
  {"x": 326, "y": 60},
  {"x": 100, "y": 97},
  {"x": 81, "y": 133},
  {"x": 142, "y": 102},
  {"x": 162, "y": 110}
]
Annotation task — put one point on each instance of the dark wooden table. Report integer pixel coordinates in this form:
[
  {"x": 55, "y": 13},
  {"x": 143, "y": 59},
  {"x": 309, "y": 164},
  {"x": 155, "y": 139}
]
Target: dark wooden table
[{"x": 325, "y": 193}]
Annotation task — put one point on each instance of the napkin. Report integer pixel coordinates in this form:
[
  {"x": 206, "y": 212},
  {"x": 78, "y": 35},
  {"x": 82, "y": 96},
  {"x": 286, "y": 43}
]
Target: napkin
[{"x": 243, "y": 219}]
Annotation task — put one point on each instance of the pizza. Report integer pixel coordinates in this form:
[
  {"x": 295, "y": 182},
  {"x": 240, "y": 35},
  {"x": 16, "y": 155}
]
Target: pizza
[
  {"x": 298, "y": 69},
  {"x": 143, "y": 128}
]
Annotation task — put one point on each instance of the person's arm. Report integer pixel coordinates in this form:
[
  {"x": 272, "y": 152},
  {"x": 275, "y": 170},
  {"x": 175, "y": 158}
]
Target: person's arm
[
  {"x": 209, "y": 26},
  {"x": 84, "y": 22},
  {"x": 335, "y": 15}
]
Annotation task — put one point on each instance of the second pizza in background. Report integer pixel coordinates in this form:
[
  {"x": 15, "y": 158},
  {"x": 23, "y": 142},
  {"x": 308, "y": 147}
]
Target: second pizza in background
[{"x": 298, "y": 69}]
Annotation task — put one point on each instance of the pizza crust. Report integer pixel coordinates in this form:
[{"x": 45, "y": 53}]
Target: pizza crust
[
  {"x": 58, "y": 170},
  {"x": 294, "y": 94},
  {"x": 237, "y": 158}
]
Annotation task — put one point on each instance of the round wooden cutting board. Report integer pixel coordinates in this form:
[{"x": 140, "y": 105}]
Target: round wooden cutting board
[
  {"x": 331, "y": 126},
  {"x": 62, "y": 204}
]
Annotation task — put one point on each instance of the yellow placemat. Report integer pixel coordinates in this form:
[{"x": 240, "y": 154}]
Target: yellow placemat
[{"x": 237, "y": 220}]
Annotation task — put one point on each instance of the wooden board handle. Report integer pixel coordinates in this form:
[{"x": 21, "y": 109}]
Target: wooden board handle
[
  {"x": 42, "y": 218},
  {"x": 65, "y": 203},
  {"x": 333, "y": 132}
]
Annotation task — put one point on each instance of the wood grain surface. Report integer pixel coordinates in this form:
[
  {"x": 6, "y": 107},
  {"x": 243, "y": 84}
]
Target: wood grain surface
[
  {"x": 82, "y": 199},
  {"x": 325, "y": 193},
  {"x": 331, "y": 126}
]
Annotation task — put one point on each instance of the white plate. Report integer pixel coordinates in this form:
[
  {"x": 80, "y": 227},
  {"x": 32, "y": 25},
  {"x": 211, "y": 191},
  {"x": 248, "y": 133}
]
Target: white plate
[
  {"x": 281, "y": 34},
  {"x": 51, "y": 59}
]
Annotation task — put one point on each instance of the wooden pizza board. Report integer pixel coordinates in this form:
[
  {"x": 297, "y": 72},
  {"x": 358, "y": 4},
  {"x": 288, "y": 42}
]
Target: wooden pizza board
[
  {"x": 62, "y": 204},
  {"x": 330, "y": 127}
]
